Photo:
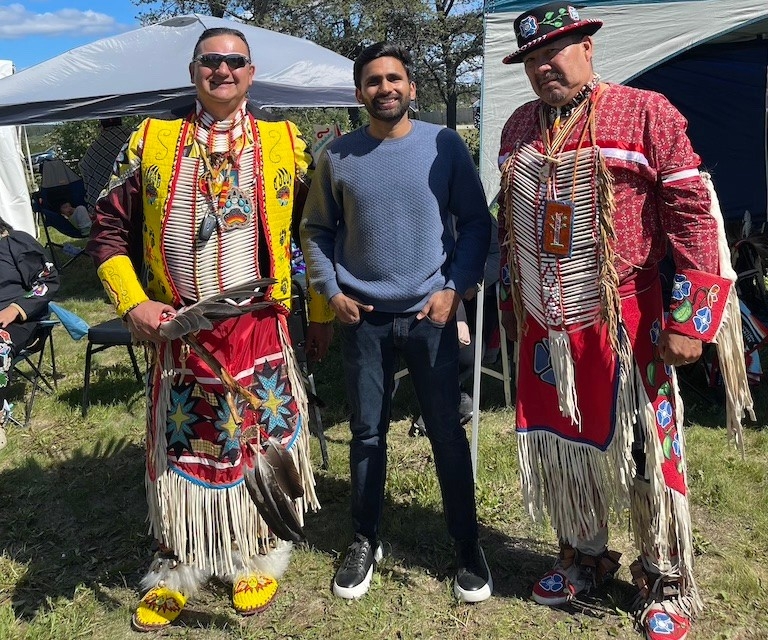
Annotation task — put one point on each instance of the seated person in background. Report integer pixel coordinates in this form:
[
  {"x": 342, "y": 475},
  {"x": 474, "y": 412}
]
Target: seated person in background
[
  {"x": 78, "y": 217},
  {"x": 28, "y": 282}
]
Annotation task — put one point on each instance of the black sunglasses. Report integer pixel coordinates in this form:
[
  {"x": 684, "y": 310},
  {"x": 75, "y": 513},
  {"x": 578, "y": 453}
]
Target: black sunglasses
[{"x": 214, "y": 60}]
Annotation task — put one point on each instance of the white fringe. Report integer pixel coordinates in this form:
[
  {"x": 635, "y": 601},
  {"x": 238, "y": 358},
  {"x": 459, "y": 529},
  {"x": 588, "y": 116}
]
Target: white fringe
[
  {"x": 729, "y": 338},
  {"x": 730, "y": 354},
  {"x": 300, "y": 450},
  {"x": 565, "y": 377},
  {"x": 575, "y": 484},
  {"x": 661, "y": 519}
]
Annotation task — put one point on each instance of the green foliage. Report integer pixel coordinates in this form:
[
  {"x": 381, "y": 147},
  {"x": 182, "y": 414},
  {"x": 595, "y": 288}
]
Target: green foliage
[
  {"x": 445, "y": 36},
  {"x": 73, "y": 138},
  {"x": 471, "y": 137}
]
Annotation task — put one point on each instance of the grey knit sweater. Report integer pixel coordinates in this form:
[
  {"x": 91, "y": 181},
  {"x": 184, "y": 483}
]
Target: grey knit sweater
[{"x": 390, "y": 222}]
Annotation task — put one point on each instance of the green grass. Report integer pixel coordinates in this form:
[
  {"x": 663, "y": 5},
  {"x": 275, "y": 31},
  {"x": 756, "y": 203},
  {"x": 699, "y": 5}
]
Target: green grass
[{"x": 74, "y": 544}]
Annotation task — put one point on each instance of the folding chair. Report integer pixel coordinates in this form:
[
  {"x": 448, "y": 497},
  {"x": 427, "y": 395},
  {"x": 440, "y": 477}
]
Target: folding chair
[
  {"x": 111, "y": 333},
  {"x": 297, "y": 328},
  {"x": 59, "y": 184},
  {"x": 28, "y": 364}
]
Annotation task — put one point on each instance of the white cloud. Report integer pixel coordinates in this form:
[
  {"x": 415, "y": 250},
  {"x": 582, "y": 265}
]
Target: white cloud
[{"x": 16, "y": 21}]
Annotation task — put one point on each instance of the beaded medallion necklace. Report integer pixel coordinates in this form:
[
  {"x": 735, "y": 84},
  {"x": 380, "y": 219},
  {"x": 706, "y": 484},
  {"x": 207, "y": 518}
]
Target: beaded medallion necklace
[{"x": 220, "y": 145}]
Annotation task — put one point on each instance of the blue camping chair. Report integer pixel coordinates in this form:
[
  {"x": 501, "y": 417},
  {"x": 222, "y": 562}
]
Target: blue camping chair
[{"x": 59, "y": 184}]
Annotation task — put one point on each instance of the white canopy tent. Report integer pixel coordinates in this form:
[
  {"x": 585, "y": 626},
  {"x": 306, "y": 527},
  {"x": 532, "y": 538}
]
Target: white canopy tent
[
  {"x": 145, "y": 71},
  {"x": 637, "y": 36},
  {"x": 15, "y": 207}
]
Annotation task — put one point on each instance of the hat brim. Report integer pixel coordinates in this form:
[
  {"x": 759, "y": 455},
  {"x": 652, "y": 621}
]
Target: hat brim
[{"x": 587, "y": 27}]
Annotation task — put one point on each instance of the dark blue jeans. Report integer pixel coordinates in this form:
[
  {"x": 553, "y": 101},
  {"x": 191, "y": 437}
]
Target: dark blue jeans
[{"x": 370, "y": 350}]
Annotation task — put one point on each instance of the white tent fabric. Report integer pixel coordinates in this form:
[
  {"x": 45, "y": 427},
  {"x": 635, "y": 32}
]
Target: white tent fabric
[
  {"x": 637, "y": 35},
  {"x": 145, "y": 71},
  {"x": 15, "y": 206}
]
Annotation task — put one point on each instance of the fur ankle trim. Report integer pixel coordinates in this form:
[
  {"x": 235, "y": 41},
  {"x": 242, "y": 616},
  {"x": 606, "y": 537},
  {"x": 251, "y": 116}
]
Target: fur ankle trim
[
  {"x": 166, "y": 571},
  {"x": 273, "y": 564}
]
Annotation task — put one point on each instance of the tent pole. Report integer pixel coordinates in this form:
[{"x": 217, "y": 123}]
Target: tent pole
[{"x": 32, "y": 181}]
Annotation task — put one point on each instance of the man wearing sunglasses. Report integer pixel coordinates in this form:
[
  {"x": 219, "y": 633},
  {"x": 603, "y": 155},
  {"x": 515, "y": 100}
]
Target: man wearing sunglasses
[{"x": 200, "y": 205}]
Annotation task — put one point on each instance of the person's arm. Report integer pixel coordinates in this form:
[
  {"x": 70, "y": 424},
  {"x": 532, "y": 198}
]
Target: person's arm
[
  {"x": 473, "y": 220},
  {"x": 508, "y": 317},
  {"x": 116, "y": 245},
  {"x": 699, "y": 293},
  {"x": 319, "y": 226},
  {"x": 116, "y": 236},
  {"x": 38, "y": 276}
]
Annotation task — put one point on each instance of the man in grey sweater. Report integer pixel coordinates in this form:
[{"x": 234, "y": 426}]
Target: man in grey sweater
[{"x": 395, "y": 230}]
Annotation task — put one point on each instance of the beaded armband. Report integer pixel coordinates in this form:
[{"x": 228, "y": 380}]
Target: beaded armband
[
  {"x": 121, "y": 284},
  {"x": 698, "y": 303}
]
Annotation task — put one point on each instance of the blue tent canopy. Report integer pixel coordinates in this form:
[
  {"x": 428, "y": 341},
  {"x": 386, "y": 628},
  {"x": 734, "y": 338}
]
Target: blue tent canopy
[{"x": 721, "y": 90}]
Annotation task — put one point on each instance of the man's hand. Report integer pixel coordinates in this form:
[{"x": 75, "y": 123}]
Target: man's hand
[
  {"x": 145, "y": 318},
  {"x": 440, "y": 307},
  {"x": 347, "y": 309},
  {"x": 318, "y": 340},
  {"x": 676, "y": 349},
  {"x": 509, "y": 322},
  {"x": 8, "y": 316}
]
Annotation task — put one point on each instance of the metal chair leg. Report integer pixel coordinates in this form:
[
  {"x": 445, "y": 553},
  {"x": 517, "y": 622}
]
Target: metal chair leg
[{"x": 87, "y": 378}]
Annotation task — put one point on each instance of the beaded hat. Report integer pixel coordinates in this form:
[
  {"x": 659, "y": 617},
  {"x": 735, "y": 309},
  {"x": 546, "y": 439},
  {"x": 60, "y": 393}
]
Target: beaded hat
[{"x": 545, "y": 23}]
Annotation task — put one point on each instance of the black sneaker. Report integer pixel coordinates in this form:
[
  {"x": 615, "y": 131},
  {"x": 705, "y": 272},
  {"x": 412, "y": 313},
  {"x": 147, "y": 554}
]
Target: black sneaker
[
  {"x": 354, "y": 575},
  {"x": 417, "y": 428},
  {"x": 473, "y": 582}
]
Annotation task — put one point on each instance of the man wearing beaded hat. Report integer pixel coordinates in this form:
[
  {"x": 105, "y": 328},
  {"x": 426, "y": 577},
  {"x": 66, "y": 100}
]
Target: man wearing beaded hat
[
  {"x": 597, "y": 180},
  {"x": 200, "y": 205}
]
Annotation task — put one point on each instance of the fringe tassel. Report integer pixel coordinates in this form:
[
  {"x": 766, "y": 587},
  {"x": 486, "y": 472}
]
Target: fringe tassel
[
  {"x": 206, "y": 527},
  {"x": 730, "y": 354},
  {"x": 300, "y": 449},
  {"x": 610, "y": 302},
  {"x": 565, "y": 377},
  {"x": 661, "y": 519},
  {"x": 620, "y": 452},
  {"x": 576, "y": 484},
  {"x": 661, "y": 525},
  {"x": 729, "y": 340}
]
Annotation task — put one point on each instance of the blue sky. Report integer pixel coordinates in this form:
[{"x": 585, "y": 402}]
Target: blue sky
[{"x": 32, "y": 31}]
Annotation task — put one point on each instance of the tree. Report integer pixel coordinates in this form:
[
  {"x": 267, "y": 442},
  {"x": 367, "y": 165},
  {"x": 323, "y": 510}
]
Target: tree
[
  {"x": 72, "y": 139},
  {"x": 450, "y": 51},
  {"x": 444, "y": 35}
]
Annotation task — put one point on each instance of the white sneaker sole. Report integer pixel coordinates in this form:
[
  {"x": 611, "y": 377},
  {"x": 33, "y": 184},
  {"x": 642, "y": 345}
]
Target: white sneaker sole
[
  {"x": 481, "y": 595},
  {"x": 359, "y": 590},
  {"x": 551, "y": 602},
  {"x": 475, "y": 596}
]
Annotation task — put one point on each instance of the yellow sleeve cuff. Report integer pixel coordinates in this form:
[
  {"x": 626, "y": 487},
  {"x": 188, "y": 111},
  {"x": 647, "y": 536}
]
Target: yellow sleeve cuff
[
  {"x": 318, "y": 308},
  {"x": 121, "y": 284}
]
